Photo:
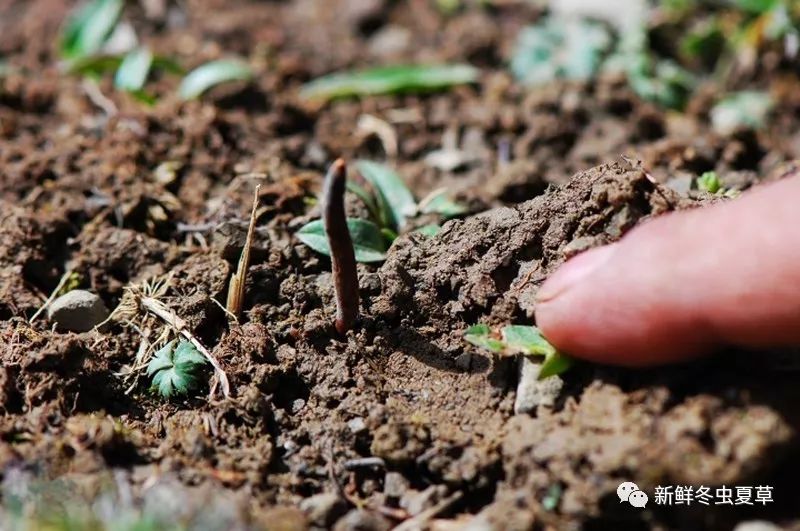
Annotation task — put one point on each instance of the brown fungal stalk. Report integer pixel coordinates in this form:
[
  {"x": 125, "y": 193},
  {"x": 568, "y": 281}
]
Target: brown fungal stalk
[{"x": 343, "y": 257}]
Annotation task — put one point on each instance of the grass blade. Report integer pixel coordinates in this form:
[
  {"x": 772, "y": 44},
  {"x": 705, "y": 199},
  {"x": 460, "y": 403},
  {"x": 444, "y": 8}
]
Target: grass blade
[
  {"x": 365, "y": 198},
  {"x": 132, "y": 73},
  {"x": 212, "y": 74},
  {"x": 397, "y": 200},
  {"x": 87, "y": 30},
  {"x": 236, "y": 287},
  {"x": 388, "y": 79}
]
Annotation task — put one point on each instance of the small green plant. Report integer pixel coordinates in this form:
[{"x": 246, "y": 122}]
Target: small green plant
[
  {"x": 741, "y": 110},
  {"x": 176, "y": 370},
  {"x": 212, "y": 74},
  {"x": 388, "y": 80},
  {"x": 560, "y": 48},
  {"x": 709, "y": 182},
  {"x": 664, "y": 55},
  {"x": 83, "y": 47},
  {"x": 520, "y": 339},
  {"x": 390, "y": 204},
  {"x": 88, "y": 29}
]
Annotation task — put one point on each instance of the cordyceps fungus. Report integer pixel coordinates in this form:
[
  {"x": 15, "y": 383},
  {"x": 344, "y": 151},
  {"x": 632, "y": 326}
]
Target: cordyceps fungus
[{"x": 343, "y": 258}]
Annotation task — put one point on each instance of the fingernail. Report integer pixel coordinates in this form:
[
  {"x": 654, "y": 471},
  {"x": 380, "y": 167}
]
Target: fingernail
[{"x": 573, "y": 272}]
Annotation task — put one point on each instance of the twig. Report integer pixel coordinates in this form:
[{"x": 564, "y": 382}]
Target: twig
[
  {"x": 364, "y": 462},
  {"x": 97, "y": 97},
  {"x": 368, "y": 124},
  {"x": 158, "y": 308},
  {"x": 343, "y": 258},
  {"x": 412, "y": 524},
  {"x": 52, "y": 297},
  {"x": 236, "y": 286}
]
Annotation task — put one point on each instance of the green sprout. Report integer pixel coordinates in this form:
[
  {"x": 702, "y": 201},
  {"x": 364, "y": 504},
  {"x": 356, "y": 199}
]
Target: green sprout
[
  {"x": 520, "y": 339},
  {"x": 709, "y": 182},
  {"x": 741, "y": 110},
  {"x": 83, "y": 44},
  {"x": 211, "y": 74},
  {"x": 390, "y": 205},
  {"x": 388, "y": 80},
  {"x": 560, "y": 48},
  {"x": 89, "y": 28},
  {"x": 176, "y": 370},
  {"x": 666, "y": 52}
]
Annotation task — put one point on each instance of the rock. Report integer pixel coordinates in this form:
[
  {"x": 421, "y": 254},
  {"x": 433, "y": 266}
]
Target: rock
[
  {"x": 531, "y": 391},
  {"x": 756, "y": 525},
  {"x": 414, "y": 501},
  {"x": 394, "y": 485},
  {"x": 502, "y": 514},
  {"x": 682, "y": 183},
  {"x": 357, "y": 425},
  {"x": 360, "y": 520},
  {"x": 322, "y": 510},
  {"x": 77, "y": 311},
  {"x": 464, "y": 361},
  {"x": 283, "y": 519}
]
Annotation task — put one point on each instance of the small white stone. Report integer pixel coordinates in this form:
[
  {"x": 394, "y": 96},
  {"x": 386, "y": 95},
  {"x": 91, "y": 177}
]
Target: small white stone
[
  {"x": 531, "y": 391},
  {"x": 756, "y": 525},
  {"x": 77, "y": 311},
  {"x": 356, "y": 425}
]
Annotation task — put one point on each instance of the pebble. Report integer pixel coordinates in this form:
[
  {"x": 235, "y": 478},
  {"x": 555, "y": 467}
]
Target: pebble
[
  {"x": 323, "y": 509},
  {"x": 464, "y": 361},
  {"x": 77, "y": 311},
  {"x": 394, "y": 485},
  {"x": 361, "y": 520},
  {"x": 414, "y": 501},
  {"x": 756, "y": 525},
  {"x": 532, "y": 392},
  {"x": 357, "y": 425}
]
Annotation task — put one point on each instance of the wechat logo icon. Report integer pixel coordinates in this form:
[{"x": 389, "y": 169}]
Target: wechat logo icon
[{"x": 629, "y": 492}]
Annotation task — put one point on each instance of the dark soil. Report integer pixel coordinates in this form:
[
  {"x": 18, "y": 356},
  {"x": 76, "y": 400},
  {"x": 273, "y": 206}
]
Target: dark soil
[{"x": 80, "y": 191}]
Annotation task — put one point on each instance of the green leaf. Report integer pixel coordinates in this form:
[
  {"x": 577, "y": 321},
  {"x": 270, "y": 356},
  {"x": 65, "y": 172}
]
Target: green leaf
[
  {"x": 747, "y": 109},
  {"x": 663, "y": 82},
  {"x": 709, "y": 182},
  {"x": 89, "y": 28},
  {"x": 397, "y": 202},
  {"x": 757, "y": 6},
  {"x": 211, "y": 74},
  {"x": 162, "y": 359},
  {"x": 527, "y": 340},
  {"x": 94, "y": 65},
  {"x": 437, "y": 202},
  {"x": 704, "y": 42},
  {"x": 559, "y": 48},
  {"x": 552, "y": 497},
  {"x": 555, "y": 364},
  {"x": 365, "y": 198},
  {"x": 429, "y": 230},
  {"x": 168, "y": 64},
  {"x": 144, "y": 97},
  {"x": 132, "y": 73},
  {"x": 187, "y": 354},
  {"x": 480, "y": 336},
  {"x": 388, "y": 80},
  {"x": 175, "y": 370},
  {"x": 368, "y": 242}
]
